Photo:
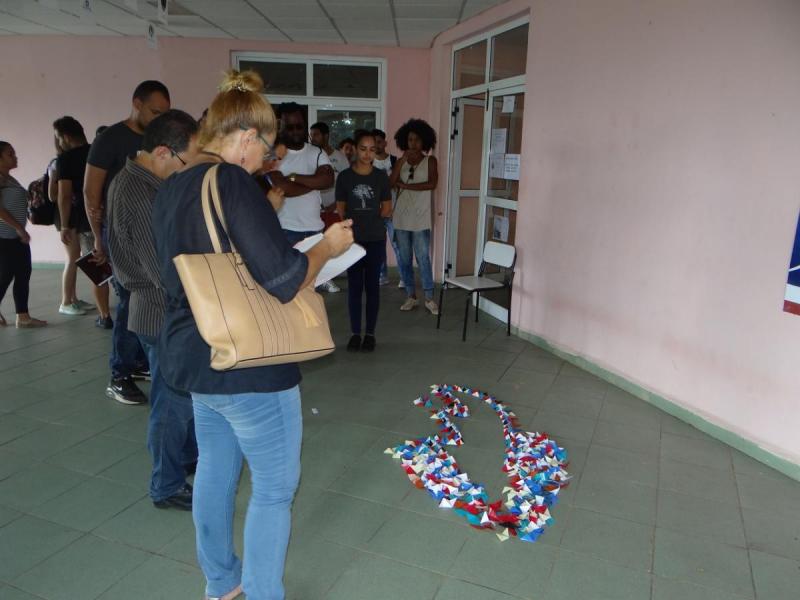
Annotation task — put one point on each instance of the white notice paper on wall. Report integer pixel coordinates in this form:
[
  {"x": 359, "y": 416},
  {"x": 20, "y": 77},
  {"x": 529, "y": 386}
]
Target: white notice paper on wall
[
  {"x": 508, "y": 104},
  {"x": 500, "y": 228},
  {"x": 498, "y": 142},
  {"x": 511, "y": 167},
  {"x": 497, "y": 165},
  {"x": 152, "y": 38}
]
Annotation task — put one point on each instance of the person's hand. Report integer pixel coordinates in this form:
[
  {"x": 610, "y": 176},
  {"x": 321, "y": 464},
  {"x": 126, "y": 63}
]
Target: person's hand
[
  {"x": 270, "y": 165},
  {"x": 98, "y": 254},
  {"x": 277, "y": 178},
  {"x": 24, "y": 236},
  {"x": 276, "y": 198},
  {"x": 67, "y": 236},
  {"x": 339, "y": 237}
]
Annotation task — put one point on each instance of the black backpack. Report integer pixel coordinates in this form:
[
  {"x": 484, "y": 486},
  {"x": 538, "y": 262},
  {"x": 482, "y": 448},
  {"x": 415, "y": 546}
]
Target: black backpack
[{"x": 40, "y": 210}]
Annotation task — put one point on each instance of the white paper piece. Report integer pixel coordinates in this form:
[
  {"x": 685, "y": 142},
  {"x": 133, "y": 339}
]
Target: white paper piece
[
  {"x": 152, "y": 38},
  {"x": 511, "y": 167},
  {"x": 54, "y": 4},
  {"x": 334, "y": 266},
  {"x": 132, "y": 4},
  {"x": 163, "y": 10},
  {"x": 508, "y": 104},
  {"x": 497, "y": 165},
  {"x": 500, "y": 228},
  {"x": 498, "y": 143}
]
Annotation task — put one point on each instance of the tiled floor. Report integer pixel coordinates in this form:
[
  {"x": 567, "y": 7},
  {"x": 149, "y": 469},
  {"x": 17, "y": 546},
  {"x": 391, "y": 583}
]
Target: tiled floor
[{"x": 656, "y": 509}]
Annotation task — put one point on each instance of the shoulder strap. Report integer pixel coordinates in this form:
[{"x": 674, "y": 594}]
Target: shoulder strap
[{"x": 211, "y": 189}]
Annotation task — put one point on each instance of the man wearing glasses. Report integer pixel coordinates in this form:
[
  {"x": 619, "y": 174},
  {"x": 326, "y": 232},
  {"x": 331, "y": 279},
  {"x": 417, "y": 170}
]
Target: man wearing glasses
[
  {"x": 304, "y": 172},
  {"x": 169, "y": 143}
]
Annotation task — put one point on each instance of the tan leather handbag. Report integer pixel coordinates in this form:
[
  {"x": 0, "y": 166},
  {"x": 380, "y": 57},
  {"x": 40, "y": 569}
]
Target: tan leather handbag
[{"x": 242, "y": 322}]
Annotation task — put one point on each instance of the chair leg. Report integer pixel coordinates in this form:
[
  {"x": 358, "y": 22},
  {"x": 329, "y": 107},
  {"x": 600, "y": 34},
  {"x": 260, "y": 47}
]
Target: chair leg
[
  {"x": 508, "y": 316},
  {"x": 477, "y": 304},
  {"x": 441, "y": 305},
  {"x": 466, "y": 318}
]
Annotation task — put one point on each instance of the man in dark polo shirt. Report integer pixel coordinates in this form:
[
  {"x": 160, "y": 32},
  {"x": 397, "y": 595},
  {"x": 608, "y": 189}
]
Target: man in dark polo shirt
[
  {"x": 169, "y": 143},
  {"x": 107, "y": 156}
]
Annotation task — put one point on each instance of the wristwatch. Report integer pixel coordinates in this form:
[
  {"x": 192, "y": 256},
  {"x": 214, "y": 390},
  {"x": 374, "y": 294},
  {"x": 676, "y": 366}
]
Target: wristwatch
[{"x": 292, "y": 177}]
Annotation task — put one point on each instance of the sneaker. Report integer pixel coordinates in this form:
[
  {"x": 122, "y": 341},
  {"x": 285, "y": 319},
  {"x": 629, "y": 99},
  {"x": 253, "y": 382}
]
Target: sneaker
[
  {"x": 354, "y": 345},
  {"x": 409, "y": 304},
  {"x": 401, "y": 285},
  {"x": 104, "y": 323},
  {"x": 330, "y": 287},
  {"x": 125, "y": 391},
  {"x": 142, "y": 374},
  {"x": 232, "y": 595},
  {"x": 87, "y": 306},
  {"x": 432, "y": 307},
  {"x": 369, "y": 343},
  {"x": 73, "y": 309},
  {"x": 384, "y": 280}
]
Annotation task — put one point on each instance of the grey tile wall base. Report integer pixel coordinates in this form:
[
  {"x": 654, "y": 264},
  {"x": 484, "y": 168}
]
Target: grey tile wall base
[{"x": 734, "y": 440}]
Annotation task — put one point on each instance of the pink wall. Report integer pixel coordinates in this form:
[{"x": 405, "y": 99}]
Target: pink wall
[
  {"x": 659, "y": 197},
  {"x": 92, "y": 78}
]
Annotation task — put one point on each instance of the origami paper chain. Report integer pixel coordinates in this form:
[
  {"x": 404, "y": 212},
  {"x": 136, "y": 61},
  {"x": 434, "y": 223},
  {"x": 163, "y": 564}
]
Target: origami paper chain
[{"x": 533, "y": 463}]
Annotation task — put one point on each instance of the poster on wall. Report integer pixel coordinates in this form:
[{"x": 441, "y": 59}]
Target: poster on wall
[
  {"x": 791, "y": 301},
  {"x": 500, "y": 228}
]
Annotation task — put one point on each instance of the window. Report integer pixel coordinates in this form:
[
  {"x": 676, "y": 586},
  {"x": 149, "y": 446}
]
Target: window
[
  {"x": 346, "y": 81},
  {"x": 509, "y": 53},
  {"x": 344, "y": 122},
  {"x": 469, "y": 66},
  {"x": 283, "y": 78}
]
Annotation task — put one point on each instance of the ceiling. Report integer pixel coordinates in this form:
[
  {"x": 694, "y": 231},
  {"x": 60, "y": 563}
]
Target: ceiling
[{"x": 406, "y": 23}]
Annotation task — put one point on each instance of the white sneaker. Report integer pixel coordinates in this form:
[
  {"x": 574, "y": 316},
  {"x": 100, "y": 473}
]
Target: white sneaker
[
  {"x": 401, "y": 285},
  {"x": 432, "y": 307},
  {"x": 87, "y": 306},
  {"x": 331, "y": 287},
  {"x": 71, "y": 309},
  {"x": 409, "y": 304}
]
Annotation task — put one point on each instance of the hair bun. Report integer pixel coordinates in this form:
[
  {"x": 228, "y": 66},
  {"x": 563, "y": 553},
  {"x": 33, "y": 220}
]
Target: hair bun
[{"x": 241, "y": 81}]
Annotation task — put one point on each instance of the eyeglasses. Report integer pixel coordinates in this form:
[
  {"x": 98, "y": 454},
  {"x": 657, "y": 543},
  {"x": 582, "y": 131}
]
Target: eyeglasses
[
  {"x": 269, "y": 154},
  {"x": 411, "y": 172},
  {"x": 178, "y": 156}
]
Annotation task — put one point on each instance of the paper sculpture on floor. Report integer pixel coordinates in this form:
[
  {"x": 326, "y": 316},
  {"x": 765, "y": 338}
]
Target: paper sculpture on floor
[{"x": 533, "y": 463}]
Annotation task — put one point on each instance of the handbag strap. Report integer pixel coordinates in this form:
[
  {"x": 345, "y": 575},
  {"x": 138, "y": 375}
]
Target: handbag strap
[{"x": 209, "y": 194}]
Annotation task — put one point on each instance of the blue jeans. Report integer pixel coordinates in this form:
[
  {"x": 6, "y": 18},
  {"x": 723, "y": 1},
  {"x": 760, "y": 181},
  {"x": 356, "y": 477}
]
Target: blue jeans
[
  {"x": 390, "y": 233},
  {"x": 267, "y": 429},
  {"x": 298, "y": 236},
  {"x": 415, "y": 244},
  {"x": 170, "y": 430},
  {"x": 127, "y": 354}
]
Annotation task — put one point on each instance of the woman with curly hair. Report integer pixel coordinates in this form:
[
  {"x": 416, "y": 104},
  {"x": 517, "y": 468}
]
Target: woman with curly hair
[{"x": 415, "y": 175}]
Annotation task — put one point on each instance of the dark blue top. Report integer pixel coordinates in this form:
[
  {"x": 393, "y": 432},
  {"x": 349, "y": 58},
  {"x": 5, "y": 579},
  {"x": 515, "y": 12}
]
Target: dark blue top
[{"x": 179, "y": 228}]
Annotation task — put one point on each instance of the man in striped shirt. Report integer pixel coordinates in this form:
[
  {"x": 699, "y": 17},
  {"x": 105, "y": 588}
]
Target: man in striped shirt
[{"x": 169, "y": 143}]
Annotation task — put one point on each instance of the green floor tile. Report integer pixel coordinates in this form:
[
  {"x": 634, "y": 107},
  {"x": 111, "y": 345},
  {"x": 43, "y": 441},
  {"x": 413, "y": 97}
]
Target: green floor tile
[
  {"x": 704, "y": 452},
  {"x": 775, "y": 533},
  {"x": 454, "y": 589},
  {"x": 412, "y": 539},
  {"x": 560, "y": 425},
  {"x": 88, "y": 504},
  {"x": 347, "y": 520},
  {"x": 83, "y": 569},
  {"x": 27, "y": 541},
  {"x": 623, "y": 542},
  {"x": 625, "y": 437},
  {"x": 94, "y": 455},
  {"x": 7, "y": 515},
  {"x": 48, "y": 440},
  {"x": 745, "y": 465},
  {"x": 133, "y": 428},
  {"x": 158, "y": 578},
  {"x": 780, "y": 495},
  {"x": 613, "y": 463},
  {"x": 36, "y": 485},
  {"x": 776, "y": 578},
  {"x": 670, "y": 424},
  {"x": 703, "y": 562},
  {"x": 672, "y": 589},
  {"x": 537, "y": 363},
  {"x": 144, "y": 526},
  {"x": 50, "y": 408},
  {"x": 370, "y": 577},
  {"x": 627, "y": 410},
  {"x": 581, "y": 576},
  {"x": 10, "y": 593},
  {"x": 134, "y": 470},
  {"x": 378, "y": 481},
  {"x": 703, "y": 482},
  {"x": 513, "y": 567},
  {"x": 532, "y": 380},
  {"x": 581, "y": 403},
  {"x": 15, "y": 426},
  {"x": 618, "y": 498},
  {"x": 11, "y": 463},
  {"x": 698, "y": 517},
  {"x": 313, "y": 566}
]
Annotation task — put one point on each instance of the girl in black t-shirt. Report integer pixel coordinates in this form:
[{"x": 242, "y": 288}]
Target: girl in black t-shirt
[{"x": 363, "y": 195}]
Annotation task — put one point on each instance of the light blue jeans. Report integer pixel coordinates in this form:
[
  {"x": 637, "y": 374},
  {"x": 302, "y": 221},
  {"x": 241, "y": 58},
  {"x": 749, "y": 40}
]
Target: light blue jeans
[
  {"x": 415, "y": 244},
  {"x": 267, "y": 430}
]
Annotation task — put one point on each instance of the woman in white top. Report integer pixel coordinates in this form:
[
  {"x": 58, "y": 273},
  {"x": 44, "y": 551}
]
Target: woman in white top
[
  {"x": 415, "y": 175},
  {"x": 15, "y": 250}
]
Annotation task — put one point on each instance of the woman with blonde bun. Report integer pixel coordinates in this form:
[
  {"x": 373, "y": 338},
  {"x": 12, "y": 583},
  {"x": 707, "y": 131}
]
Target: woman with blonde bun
[{"x": 247, "y": 413}]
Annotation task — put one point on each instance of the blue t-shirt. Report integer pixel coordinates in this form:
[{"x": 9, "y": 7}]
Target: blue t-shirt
[{"x": 179, "y": 228}]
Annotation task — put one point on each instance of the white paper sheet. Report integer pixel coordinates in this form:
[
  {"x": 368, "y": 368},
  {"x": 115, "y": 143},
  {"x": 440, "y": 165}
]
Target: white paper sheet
[
  {"x": 498, "y": 144},
  {"x": 497, "y": 165},
  {"x": 334, "y": 266},
  {"x": 500, "y": 229},
  {"x": 511, "y": 167},
  {"x": 508, "y": 104}
]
